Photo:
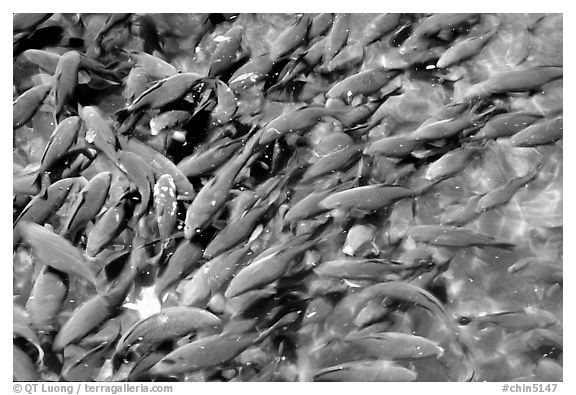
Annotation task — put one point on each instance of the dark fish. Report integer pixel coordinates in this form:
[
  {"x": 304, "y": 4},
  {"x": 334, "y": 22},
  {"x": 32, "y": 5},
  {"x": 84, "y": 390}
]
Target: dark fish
[
  {"x": 26, "y": 105},
  {"x": 291, "y": 37},
  {"x": 226, "y": 52},
  {"x": 112, "y": 21},
  {"x": 447, "y": 236},
  {"x": 378, "y": 371},
  {"x": 148, "y": 32},
  {"x": 53, "y": 250},
  {"x": 87, "y": 204}
]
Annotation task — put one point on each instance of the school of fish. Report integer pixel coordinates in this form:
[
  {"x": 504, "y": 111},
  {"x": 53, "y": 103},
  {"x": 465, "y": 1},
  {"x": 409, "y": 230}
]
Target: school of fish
[{"x": 274, "y": 197}]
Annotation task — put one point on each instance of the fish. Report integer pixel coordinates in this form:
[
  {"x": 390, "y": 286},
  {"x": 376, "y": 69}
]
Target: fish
[
  {"x": 268, "y": 267},
  {"x": 300, "y": 63},
  {"x": 91, "y": 314},
  {"x": 501, "y": 195},
  {"x": 23, "y": 368},
  {"x": 519, "y": 80},
  {"x": 148, "y": 32},
  {"x": 142, "y": 176},
  {"x": 28, "y": 103},
  {"x": 505, "y": 125},
  {"x": 87, "y": 204},
  {"x": 291, "y": 37},
  {"x": 373, "y": 270},
  {"x": 42, "y": 207},
  {"x": 549, "y": 370},
  {"x": 399, "y": 146},
  {"x": 251, "y": 73},
  {"x": 396, "y": 345},
  {"x": 447, "y": 236},
  {"x": 378, "y": 27},
  {"x": 464, "y": 49},
  {"x": 65, "y": 80},
  {"x": 185, "y": 259},
  {"x": 462, "y": 214},
  {"x": 543, "y": 132},
  {"x": 370, "y": 197},
  {"x": 372, "y": 313},
  {"x": 100, "y": 132},
  {"x": 53, "y": 250},
  {"x": 300, "y": 119},
  {"x": 226, "y": 52},
  {"x": 348, "y": 56},
  {"x": 527, "y": 318},
  {"x": 368, "y": 370},
  {"x": 165, "y": 205},
  {"x": 163, "y": 92},
  {"x": 109, "y": 226},
  {"x": 84, "y": 366},
  {"x": 433, "y": 24},
  {"x": 46, "y": 299},
  {"x": 538, "y": 270},
  {"x": 451, "y": 163},
  {"x": 227, "y": 104},
  {"x": 338, "y": 36},
  {"x": 169, "y": 323},
  {"x": 210, "y": 159},
  {"x": 112, "y": 21},
  {"x": 135, "y": 84},
  {"x": 213, "y": 275},
  {"x": 28, "y": 21},
  {"x": 61, "y": 140},
  {"x": 204, "y": 353},
  {"x": 154, "y": 67},
  {"x": 236, "y": 231},
  {"x": 169, "y": 120},
  {"x": 335, "y": 161},
  {"x": 319, "y": 25},
  {"x": 362, "y": 83},
  {"x": 214, "y": 194},
  {"x": 358, "y": 236},
  {"x": 161, "y": 165}
]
